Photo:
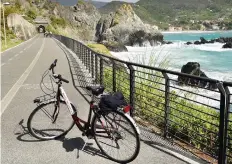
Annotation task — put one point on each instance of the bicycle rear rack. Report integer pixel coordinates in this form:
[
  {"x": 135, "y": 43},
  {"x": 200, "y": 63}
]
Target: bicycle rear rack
[{"x": 45, "y": 98}]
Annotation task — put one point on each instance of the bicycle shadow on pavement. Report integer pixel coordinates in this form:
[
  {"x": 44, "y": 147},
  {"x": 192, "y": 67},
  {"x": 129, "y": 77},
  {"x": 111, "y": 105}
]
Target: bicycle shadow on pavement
[
  {"x": 23, "y": 134},
  {"x": 70, "y": 144}
]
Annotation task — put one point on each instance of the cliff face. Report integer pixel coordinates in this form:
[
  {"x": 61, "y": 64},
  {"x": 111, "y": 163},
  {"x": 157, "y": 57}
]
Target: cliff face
[
  {"x": 21, "y": 27},
  {"x": 83, "y": 16},
  {"x": 126, "y": 27}
]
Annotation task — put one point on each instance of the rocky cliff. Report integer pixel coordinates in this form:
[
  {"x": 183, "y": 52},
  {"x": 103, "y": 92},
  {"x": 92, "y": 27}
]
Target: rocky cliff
[
  {"x": 83, "y": 16},
  {"x": 21, "y": 27},
  {"x": 125, "y": 27}
]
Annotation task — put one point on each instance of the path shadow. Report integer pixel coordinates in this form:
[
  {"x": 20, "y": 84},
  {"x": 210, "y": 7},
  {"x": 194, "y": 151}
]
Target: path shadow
[
  {"x": 69, "y": 144},
  {"x": 22, "y": 133},
  {"x": 167, "y": 146},
  {"x": 79, "y": 73}
]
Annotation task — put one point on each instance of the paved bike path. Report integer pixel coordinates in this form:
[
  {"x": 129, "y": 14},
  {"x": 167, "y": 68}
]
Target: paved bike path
[
  {"x": 17, "y": 146},
  {"x": 15, "y": 61}
]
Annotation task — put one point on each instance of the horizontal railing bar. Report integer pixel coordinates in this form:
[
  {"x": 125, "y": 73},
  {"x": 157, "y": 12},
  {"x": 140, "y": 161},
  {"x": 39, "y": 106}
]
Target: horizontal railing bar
[
  {"x": 149, "y": 73},
  {"x": 150, "y": 93},
  {"x": 150, "y": 99},
  {"x": 195, "y": 86},
  {"x": 153, "y": 107},
  {"x": 150, "y": 80},
  {"x": 150, "y": 86},
  {"x": 193, "y": 109},
  {"x": 211, "y": 155},
  {"x": 151, "y": 111},
  {"x": 194, "y": 125},
  {"x": 191, "y": 136},
  {"x": 194, "y": 93},
  {"x": 193, "y": 101}
]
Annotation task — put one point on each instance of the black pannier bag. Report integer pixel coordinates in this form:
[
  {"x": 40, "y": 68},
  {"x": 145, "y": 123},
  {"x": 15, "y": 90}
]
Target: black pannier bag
[{"x": 112, "y": 102}]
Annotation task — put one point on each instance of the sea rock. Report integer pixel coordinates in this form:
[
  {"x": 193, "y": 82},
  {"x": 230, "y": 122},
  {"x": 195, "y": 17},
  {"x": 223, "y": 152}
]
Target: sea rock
[
  {"x": 193, "y": 68},
  {"x": 203, "y": 40},
  {"x": 167, "y": 42},
  {"x": 197, "y": 42},
  {"x": 211, "y": 41},
  {"x": 188, "y": 43},
  {"x": 219, "y": 40},
  {"x": 125, "y": 27},
  {"x": 21, "y": 27},
  {"x": 227, "y": 45}
]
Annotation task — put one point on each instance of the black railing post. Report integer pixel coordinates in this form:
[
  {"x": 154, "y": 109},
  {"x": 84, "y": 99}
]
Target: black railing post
[
  {"x": 92, "y": 64},
  {"x": 132, "y": 88},
  {"x": 114, "y": 75},
  {"x": 167, "y": 104},
  {"x": 226, "y": 142},
  {"x": 221, "y": 138},
  {"x": 101, "y": 71},
  {"x": 96, "y": 68},
  {"x": 89, "y": 60},
  {"x": 73, "y": 45},
  {"x": 86, "y": 57},
  {"x": 81, "y": 53}
]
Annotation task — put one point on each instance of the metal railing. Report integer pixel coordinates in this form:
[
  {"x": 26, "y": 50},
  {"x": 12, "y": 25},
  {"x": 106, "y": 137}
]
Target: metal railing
[{"x": 195, "y": 117}]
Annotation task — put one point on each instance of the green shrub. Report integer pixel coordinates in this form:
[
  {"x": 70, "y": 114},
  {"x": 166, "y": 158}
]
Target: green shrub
[
  {"x": 100, "y": 48},
  {"x": 11, "y": 9},
  {"x": 55, "y": 21},
  {"x": 31, "y": 14}
]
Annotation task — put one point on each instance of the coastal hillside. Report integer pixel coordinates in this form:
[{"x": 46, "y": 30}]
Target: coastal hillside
[
  {"x": 188, "y": 14},
  {"x": 97, "y": 4},
  {"x": 111, "y": 7}
]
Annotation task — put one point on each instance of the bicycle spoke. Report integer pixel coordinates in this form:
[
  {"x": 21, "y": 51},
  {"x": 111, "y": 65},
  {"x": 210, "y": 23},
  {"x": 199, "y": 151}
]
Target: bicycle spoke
[{"x": 122, "y": 145}]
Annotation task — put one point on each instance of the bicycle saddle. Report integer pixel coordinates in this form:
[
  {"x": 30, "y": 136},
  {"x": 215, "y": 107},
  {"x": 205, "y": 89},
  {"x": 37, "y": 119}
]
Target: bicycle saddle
[{"x": 96, "y": 90}]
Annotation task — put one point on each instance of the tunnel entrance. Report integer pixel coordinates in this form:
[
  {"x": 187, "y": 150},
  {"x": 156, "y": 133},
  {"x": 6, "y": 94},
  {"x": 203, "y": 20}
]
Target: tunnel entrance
[{"x": 41, "y": 29}]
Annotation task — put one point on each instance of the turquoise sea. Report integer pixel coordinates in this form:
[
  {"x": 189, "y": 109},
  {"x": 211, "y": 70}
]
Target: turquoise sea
[{"x": 215, "y": 61}]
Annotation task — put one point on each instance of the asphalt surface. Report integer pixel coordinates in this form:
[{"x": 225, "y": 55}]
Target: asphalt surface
[{"x": 17, "y": 146}]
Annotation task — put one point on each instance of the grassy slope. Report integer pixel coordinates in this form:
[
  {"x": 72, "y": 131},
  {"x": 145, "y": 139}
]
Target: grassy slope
[{"x": 100, "y": 48}]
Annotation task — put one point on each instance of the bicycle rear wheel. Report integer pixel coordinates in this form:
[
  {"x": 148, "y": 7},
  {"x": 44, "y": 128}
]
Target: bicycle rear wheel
[
  {"x": 40, "y": 122},
  {"x": 116, "y": 136}
]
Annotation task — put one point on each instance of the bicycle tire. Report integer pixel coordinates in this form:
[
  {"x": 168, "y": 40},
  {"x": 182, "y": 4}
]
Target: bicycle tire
[
  {"x": 136, "y": 135},
  {"x": 50, "y": 137}
]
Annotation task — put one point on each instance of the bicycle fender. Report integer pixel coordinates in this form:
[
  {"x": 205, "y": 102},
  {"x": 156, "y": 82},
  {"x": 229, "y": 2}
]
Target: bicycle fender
[{"x": 133, "y": 122}]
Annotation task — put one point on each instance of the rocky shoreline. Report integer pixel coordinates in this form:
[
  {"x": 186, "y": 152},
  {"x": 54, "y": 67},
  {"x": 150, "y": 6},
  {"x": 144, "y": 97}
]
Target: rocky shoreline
[{"x": 226, "y": 40}]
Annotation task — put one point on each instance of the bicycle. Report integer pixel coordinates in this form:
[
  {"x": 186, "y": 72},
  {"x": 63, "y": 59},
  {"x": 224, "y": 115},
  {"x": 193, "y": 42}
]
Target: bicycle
[{"x": 113, "y": 126}]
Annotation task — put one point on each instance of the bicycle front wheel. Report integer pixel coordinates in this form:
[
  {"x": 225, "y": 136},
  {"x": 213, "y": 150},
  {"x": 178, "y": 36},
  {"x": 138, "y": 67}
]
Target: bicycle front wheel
[
  {"x": 116, "y": 136},
  {"x": 41, "y": 122}
]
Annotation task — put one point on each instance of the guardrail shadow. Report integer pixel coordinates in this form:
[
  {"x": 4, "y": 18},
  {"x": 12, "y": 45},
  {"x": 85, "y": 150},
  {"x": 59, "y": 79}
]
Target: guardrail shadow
[{"x": 80, "y": 76}]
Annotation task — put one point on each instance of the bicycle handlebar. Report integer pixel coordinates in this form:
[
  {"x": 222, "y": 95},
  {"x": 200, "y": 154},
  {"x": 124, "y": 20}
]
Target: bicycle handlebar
[
  {"x": 52, "y": 66},
  {"x": 60, "y": 78}
]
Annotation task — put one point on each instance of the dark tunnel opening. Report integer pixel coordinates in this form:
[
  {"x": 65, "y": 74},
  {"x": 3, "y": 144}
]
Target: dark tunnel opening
[{"x": 41, "y": 29}]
